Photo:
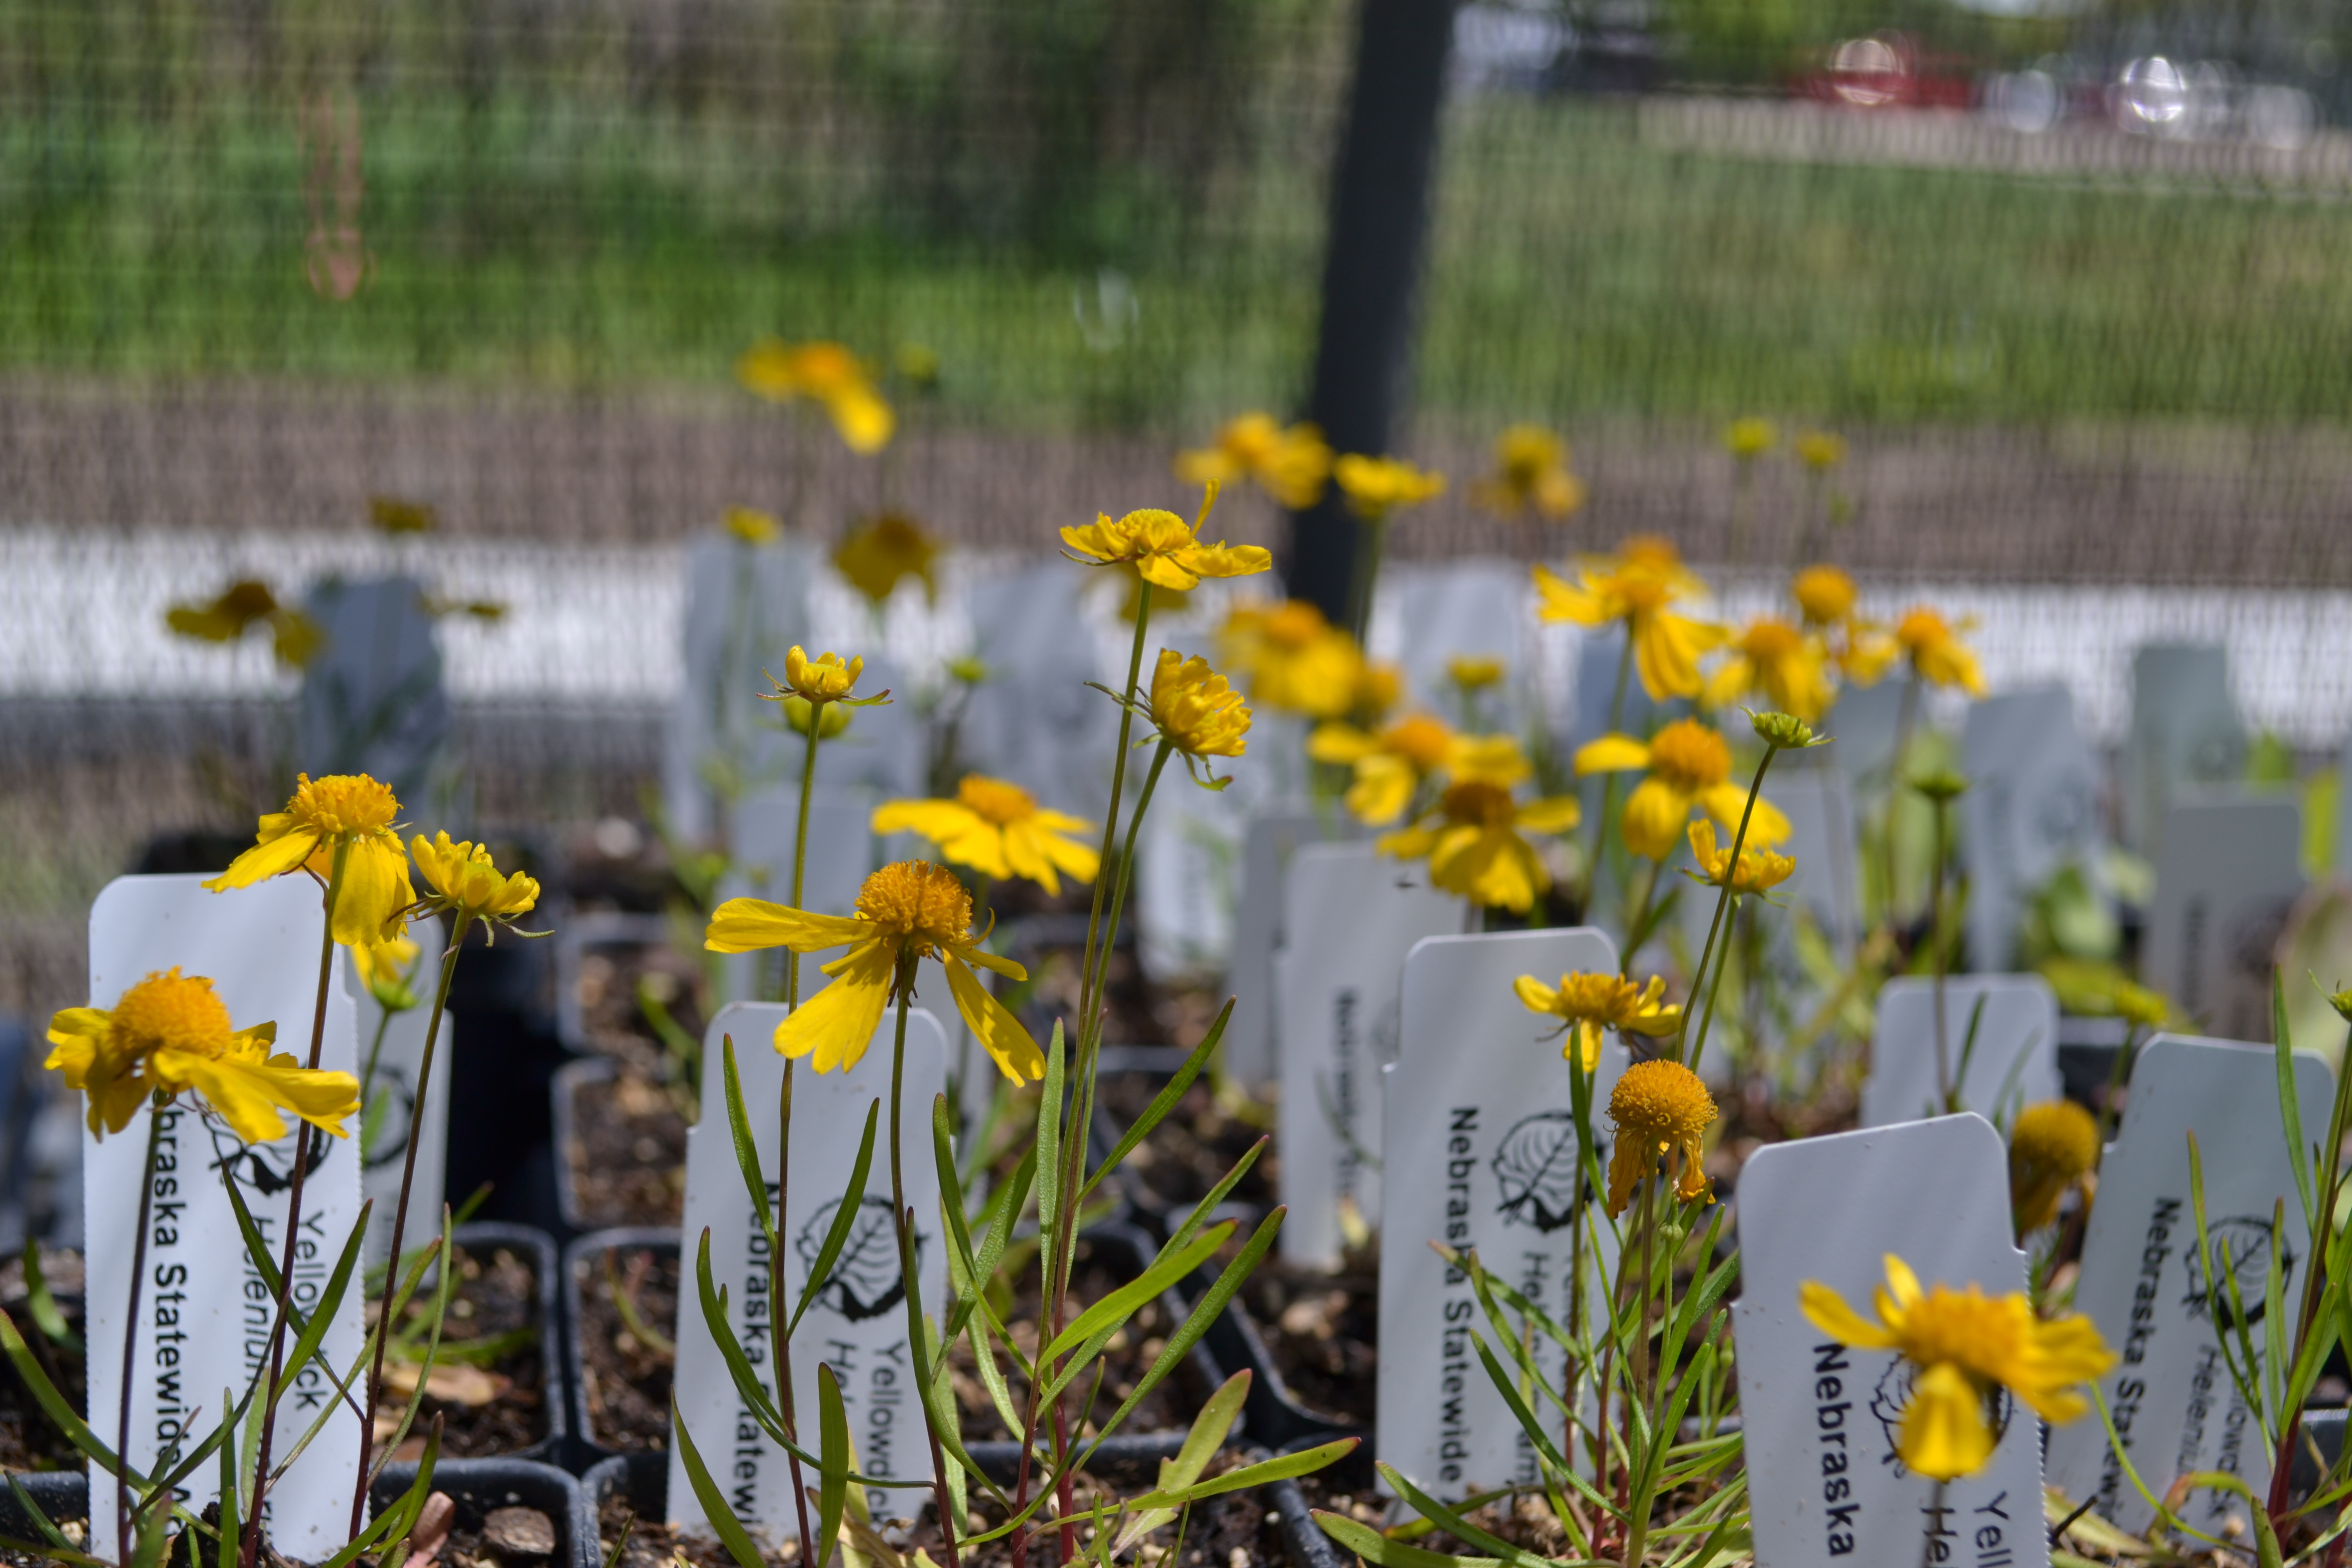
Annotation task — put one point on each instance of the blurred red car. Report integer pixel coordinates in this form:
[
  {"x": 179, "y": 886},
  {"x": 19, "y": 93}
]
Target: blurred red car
[{"x": 1889, "y": 70}]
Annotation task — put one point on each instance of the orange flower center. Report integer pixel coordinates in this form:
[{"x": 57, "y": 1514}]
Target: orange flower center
[
  {"x": 1480, "y": 805},
  {"x": 166, "y": 1011},
  {"x": 917, "y": 901},
  {"x": 1294, "y": 625},
  {"x": 1768, "y": 640},
  {"x": 1419, "y": 739},
  {"x": 1922, "y": 629},
  {"x": 1661, "y": 1102},
  {"x": 995, "y": 801},
  {"x": 343, "y": 805},
  {"x": 1689, "y": 757},
  {"x": 1601, "y": 998},
  {"x": 1825, "y": 594}
]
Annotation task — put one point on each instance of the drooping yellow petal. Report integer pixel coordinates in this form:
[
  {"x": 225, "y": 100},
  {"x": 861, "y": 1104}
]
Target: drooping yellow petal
[
  {"x": 1560, "y": 600},
  {"x": 1611, "y": 754},
  {"x": 998, "y": 1031},
  {"x": 280, "y": 847},
  {"x": 1901, "y": 1283},
  {"x": 1654, "y": 815},
  {"x": 750, "y": 925},
  {"x": 1342, "y": 743},
  {"x": 837, "y": 1024},
  {"x": 249, "y": 1091},
  {"x": 864, "y": 420},
  {"x": 1944, "y": 1433},
  {"x": 1732, "y": 678},
  {"x": 1025, "y": 856},
  {"x": 375, "y": 891},
  {"x": 1552, "y": 814},
  {"x": 1666, "y": 651},
  {"x": 1534, "y": 994},
  {"x": 1768, "y": 825},
  {"x": 1383, "y": 788},
  {"x": 1827, "y": 1311}
]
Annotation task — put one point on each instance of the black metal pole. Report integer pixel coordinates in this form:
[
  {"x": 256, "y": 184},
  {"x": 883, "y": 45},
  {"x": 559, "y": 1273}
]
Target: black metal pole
[{"x": 1380, "y": 221}]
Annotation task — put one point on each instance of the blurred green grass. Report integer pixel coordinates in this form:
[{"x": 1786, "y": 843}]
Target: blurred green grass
[{"x": 1574, "y": 272}]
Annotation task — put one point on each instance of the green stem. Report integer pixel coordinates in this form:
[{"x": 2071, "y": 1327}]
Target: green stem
[
  {"x": 1903, "y": 719},
  {"x": 130, "y": 1331},
  {"x": 777, "y": 1319},
  {"x": 400, "y": 1221},
  {"x": 1111, "y": 817},
  {"x": 367, "y": 1079},
  {"x": 251, "y": 1549},
  {"x": 1730, "y": 875},
  {"x": 1608, "y": 780},
  {"x": 903, "y": 1225},
  {"x": 800, "y": 846},
  {"x": 1948, "y": 1090}
]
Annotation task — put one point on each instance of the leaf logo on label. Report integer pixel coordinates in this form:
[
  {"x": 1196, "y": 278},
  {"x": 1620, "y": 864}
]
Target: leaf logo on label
[
  {"x": 1535, "y": 1167},
  {"x": 268, "y": 1168},
  {"x": 866, "y": 1280},
  {"x": 1892, "y": 1399},
  {"x": 2242, "y": 1246}
]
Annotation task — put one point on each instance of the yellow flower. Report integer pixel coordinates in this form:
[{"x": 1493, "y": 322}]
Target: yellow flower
[
  {"x": 1660, "y": 1108},
  {"x": 1592, "y": 1004},
  {"x": 1750, "y": 438},
  {"x": 341, "y": 808},
  {"x": 295, "y": 638},
  {"x": 752, "y": 527},
  {"x": 384, "y": 968},
  {"x": 1825, "y": 594},
  {"x": 1389, "y": 764},
  {"x": 882, "y": 551},
  {"x": 168, "y": 1034},
  {"x": 2139, "y": 1005},
  {"x": 1163, "y": 548},
  {"x": 1294, "y": 659},
  {"x": 829, "y": 374},
  {"x": 1196, "y": 710},
  {"x": 1666, "y": 646},
  {"x": 1934, "y": 648},
  {"x": 1473, "y": 674},
  {"x": 908, "y": 911},
  {"x": 1759, "y": 868},
  {"x": 824, "y": 679},
  {"x": 467, "y": 882},
  {"x": 1473, "y": 844},
  {"x": 998, "y": 829},
  {"x": 1289, "y": 465},
  {"x": 1689, "y": 769},
  {"x": 1380, "y": 687},
  {"x": 1774, "y": 658},
  {"x": 1530, "y": 473},
  {"x": 1819, "y": 451},
  {"x": 2054, "y": 1145},
  {"x": 1376, "y": 487},
  {"x": 1965, "y": 1346}
]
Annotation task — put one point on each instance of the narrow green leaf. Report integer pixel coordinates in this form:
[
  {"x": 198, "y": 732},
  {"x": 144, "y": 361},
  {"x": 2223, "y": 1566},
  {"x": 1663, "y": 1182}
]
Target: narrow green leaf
[
  {"x": 747, "y": 1150},
  {"x": 1373, "y": 1547},
  {"x": 49, "y": 1532},
  {"x": 391, "y": 1526},
  {"x": 833, "y": 1446},
  {"x": 1208, "y": 1205},
  {"x": 1461, "y": 1527},
  {"x": 2290, "y": 1108},
  {"x": 231, "y": 1531},
  {"x": 731, "y": 1530},
  {"x": 1122, "y": 1303},
  {"x": 55, "y": 1406},
  {"x": 845, "y": 1217},
  {"x": 1049, "y": 1144},
  {"x": 1165, "y": 1100},
  {"x": 1307, "y": 1461},
  {"x": 1508, "y": 1387}
]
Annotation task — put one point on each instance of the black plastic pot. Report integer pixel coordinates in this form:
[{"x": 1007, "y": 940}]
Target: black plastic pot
[
  {"x": 578, "y": 937},
  {"x": 486, "y": 1235},
  {"x": 1301, "y": 1536},
  {"x": 562, "y": 1089},
  {"x": 1125, "y": 1453},
  {"x": 475, "y": 1486},
  {"x": 1276, "y": 1416}
]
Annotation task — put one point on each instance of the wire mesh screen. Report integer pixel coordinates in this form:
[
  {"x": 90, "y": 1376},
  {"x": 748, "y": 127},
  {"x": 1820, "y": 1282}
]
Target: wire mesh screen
[{"x": 2067, "y": 284}]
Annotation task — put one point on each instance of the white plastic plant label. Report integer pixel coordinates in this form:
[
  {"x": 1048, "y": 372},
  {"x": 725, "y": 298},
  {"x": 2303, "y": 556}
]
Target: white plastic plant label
[
  {"x": 204, "y": 1311},
  {"x": 746, "y": 605},
  {"x": 1266, "y": 850},
  {"x": 2226, "y": 880},
  {"x": 2174, "y": 1403},
  {"x": 2013, "y": 1061},
  {"x": 858, "y": 1323},
  {"x": 1822, "y": 1418},
  {"x": 1482, "y": 1152},
  {"x": 1188, "y": 858},
  {"x": 390, "y": 1053},
  {"x": 2185, "y": 735},
  {"x": 1352, "y": 916},
  {"x": 372, "y": 698},
  {"x": 840, "y": 859},
  {"x": 1473, "y": 609},
  {"x": 2032, "y": 808},
  {"x": 1035, "y": 721}
]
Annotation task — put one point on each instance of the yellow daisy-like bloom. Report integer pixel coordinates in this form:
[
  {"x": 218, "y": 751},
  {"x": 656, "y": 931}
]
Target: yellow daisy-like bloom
[
  {"x": 1294, "y": 659},
  {"x": 171, "y": 1033},
  {"x": 2054, "y": 1145},
  {"x": 1966, "y": 1345},
  {"x": 1196, "y": 710},
  {"x": 882, "y": 552},
  {"x": 1660, "y": 1108},
  {"x": 1380, "y": 687},
  {"x": 1772, "y": 657},
  {"x": 1389, "y": 764},
  {"x": 2138, "y": 1004},
  {"x": 1164, "y": 548},
  {"x": 828, "y": 373},
  {"x": 1637, "y": 594},
  {"x": 385, "y": 968},
  {"x": 1689, "y": 769},
  {"x": 1473, "y": 844},
  {"x": 1825, "y": 595},
  {"x": 998, "y": 829},
  {"x": 467, "y": 882},
  {"x": 295, "y": 638},
  {"x": 1592, "y": 1004},
  {"x": 1290, "y": 465},
  {"x": 1759, "y": 868},
  {"x": 752, "y": 527},
  {"x": 1473, "y": 674},
  {"x": 1530, "y": 474},
  {"x": 909, "y": 909},
  {"x": 1376, "y": 487},
  {"x": 824, "y": 679},
  {"x": 1819, "y": 451},
  {"x": 1934, "y": 648},
  {"x": 341, "y": 808},
  {"x": 1750, "y": 438}
]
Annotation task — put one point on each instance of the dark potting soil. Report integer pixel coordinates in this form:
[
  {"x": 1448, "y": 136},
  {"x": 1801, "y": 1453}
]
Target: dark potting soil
[
  {"x": 1235, "y": 1530},
  {"x": 613, "y": 985},
  {"x": 489, "y": 1376},
  {"x": 29, "y": 1440},
  {"x": 1322, "y": 1332},
  {"x": 625, "y": 1381},
  {"x": 627, "y": 1155},
  {"x": 1180, "y": 1160}
]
